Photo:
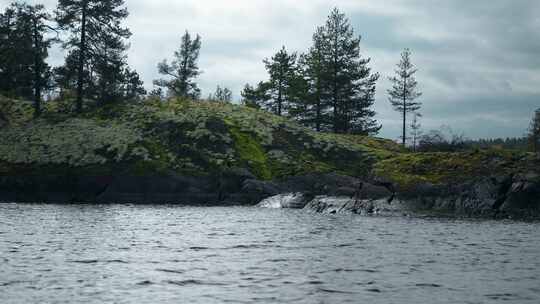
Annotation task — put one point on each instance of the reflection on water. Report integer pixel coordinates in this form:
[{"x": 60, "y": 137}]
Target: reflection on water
[{"x": 150, "y": 254}]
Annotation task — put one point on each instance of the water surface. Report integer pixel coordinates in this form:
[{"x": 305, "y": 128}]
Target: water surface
[{"x": 170, "y": 254}]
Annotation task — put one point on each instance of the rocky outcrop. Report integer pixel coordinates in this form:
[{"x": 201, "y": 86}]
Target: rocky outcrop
[
  {"x": 205, "y": 153},
  {"x": 501, "y": 196}
]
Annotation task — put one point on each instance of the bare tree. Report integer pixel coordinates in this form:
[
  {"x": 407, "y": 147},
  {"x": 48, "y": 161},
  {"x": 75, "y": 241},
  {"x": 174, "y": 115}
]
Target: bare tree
[{"x": 403, "y": 93}]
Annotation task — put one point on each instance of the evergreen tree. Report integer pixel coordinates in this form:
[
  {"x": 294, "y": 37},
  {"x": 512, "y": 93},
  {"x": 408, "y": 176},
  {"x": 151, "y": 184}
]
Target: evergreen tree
[
  {"x": 133, "y": 86},
  {"x": 108, "y": 73},
  {"x": 404, "y": 90},
  {"x": 534, "y": 132},
  {"x": 282, "y": 71},
  {"x": 315, "y": 111},
  {"x": 157, "y": 93},
  {"x": 95, "y": 27},
  {"x": 66, "y": 76},
  {"x": 24, "y": 49},
  {"x": 183, "y": 69},
  {"x": 221, "y": 95},
  {"x": 13, "y": 65},
  {"x": 255, "y": 97},
  {"x": 348, "y": 86},
  {"x": 39, "y": 27}
]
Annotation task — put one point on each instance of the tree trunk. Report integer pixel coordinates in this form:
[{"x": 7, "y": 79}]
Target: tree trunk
[
  {"x": 279, "y": 99},
  {"x": 404, "y": 111},
  {"x": 37, "y": 72},
  {"x": 318, "y": 115},
  {"x": 82, "y": 59},
  {"x": 404, "y": 124},
  {"x": 318, "y": 111}
]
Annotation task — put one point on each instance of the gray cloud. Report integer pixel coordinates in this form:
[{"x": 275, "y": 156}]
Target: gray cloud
[{"x": 479, "y": 60}]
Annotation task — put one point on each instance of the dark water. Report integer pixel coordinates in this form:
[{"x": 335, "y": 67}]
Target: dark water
[{"x": 166, "y": 254}]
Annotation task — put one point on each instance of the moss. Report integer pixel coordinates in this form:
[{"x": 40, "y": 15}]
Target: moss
[
  {"x": 409, "y": 169},
  {"x": 251, "y": 153},
  {"x": 155, "y": 161},
  {"x": 205, "y": 138}
]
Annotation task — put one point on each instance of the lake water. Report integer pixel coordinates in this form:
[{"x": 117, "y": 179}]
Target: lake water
[{"x": 170, "y": 254}]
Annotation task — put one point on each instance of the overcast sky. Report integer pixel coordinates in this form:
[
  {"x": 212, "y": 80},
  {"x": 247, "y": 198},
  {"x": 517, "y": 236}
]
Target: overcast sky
[{"x": 479, "y": 61}]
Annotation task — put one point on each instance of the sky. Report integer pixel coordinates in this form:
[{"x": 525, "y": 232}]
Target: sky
[{"x": 478, "y": 61}]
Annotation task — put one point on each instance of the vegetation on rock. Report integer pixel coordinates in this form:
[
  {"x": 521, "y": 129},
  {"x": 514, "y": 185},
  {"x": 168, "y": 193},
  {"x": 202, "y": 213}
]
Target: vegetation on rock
[{"x": 208, "y": 138}]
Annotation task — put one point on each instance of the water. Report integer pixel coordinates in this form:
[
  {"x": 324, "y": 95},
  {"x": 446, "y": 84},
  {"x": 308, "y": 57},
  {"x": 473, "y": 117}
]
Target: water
[{"x": 168, "y": 254}]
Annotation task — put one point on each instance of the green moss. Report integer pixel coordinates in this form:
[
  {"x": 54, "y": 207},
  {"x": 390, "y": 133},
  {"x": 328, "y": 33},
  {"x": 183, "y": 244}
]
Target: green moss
[
  {"x": 155, "y": 162},
  {"x": 409, "y": 169},
  {"x": 251, "y": 153}
]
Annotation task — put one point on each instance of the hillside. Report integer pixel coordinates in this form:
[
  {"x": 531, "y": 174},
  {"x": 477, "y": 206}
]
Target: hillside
[
  {"x": 198, "y": 138},
  {"x": 213, "y": 148}
]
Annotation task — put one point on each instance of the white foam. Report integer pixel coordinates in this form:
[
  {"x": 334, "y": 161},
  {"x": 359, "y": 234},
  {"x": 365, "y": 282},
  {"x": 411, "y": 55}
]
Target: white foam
[{"x": 280, "y": 201}]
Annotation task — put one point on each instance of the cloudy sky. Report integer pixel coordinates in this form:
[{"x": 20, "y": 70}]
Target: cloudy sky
[{"x": 479, "y": 61}]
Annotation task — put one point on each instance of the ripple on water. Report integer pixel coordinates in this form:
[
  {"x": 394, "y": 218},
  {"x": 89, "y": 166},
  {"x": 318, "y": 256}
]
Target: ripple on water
[
  {"x": 157, "y": 254},
  {"x": 177, "y": 271}
]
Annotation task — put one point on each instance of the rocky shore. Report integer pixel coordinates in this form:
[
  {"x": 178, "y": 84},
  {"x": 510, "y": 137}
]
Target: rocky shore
[
  {"x": 503, "y": 197},
  {"x": 201, "y": 153},
  {"x": 500, "y": 197}
]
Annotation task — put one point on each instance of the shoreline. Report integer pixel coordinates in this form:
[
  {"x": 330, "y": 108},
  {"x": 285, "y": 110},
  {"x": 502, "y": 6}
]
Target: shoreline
[{"x": 500, "y": 197}]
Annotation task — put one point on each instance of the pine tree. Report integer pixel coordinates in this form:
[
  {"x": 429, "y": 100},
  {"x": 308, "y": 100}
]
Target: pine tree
[
  {"x": 312, "y": 107},
  {"x": 534, "y": 132},
  {"x": 416, "y": 131},
  {"x": 282, "y": 71},
  {"x": 95, "y": 25},
  {"x": 348, "y": 83},
  {"x": 66, "y": 76},
  {"x": 24, "y": 48},
  {"x": 39, "y": 20},
  {"x": 255, "y": 97},
  {"x": 132, "y": 86},
  {"x": 11, "y": 60},
  {"x": 404, "y": 90},
  {"x": 221, "y": 95},
  {"x": 183, "y": 69}
]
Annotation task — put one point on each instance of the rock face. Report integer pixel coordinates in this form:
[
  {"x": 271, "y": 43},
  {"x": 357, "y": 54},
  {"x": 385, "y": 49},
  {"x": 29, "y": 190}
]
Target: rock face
[
  {"x": 501, "y": 196},
  {"x": 504, "y": 196},
  {"x": 333, "y": 205}
]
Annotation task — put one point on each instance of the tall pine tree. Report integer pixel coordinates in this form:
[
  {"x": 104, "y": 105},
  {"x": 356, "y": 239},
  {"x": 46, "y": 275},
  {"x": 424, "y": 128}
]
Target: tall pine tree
[
  {"x": 282, "y": 70},
  {"x": 95, "y": 25},
  {"x": 313, "y": 110},
  {"x": 182, "y": 70},
  {"x": 347, "y": 85},
  {"x": 23, "y": 71},
  {"x": 404, "y": 92}
]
